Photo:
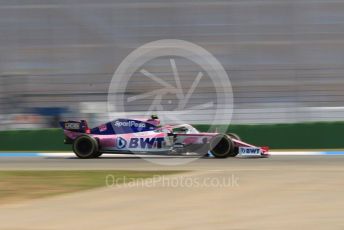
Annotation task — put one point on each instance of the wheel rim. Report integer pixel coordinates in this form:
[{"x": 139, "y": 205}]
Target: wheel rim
[
  {"x": 84, "y": 147},
  {"x": 220, "y": 146}
]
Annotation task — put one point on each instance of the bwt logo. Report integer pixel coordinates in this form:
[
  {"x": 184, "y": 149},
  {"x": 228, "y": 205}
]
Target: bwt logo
[
  {"x": 129, "y": 124},
  {"x": 249, "y": 150},
  {"x": 143, "y": 143},
  {"x": 121, "y": 142}
]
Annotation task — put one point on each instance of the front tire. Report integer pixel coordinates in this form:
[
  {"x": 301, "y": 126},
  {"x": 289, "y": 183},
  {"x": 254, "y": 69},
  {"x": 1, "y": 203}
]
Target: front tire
[
  {"x": 86, "y": 147},
  {"x": 222, "y": 146},
  {"x": 234, "y": 136}
]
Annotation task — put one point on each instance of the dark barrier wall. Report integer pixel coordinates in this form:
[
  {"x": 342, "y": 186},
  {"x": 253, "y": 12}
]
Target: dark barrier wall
[
  {"x": 278, "y": 136},
  {"x": 291, "y": 136},
  {"x": 33, "y": 140}
]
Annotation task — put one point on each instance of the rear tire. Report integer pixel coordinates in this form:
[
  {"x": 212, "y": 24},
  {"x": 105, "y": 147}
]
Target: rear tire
[
  {"x": 98, "y": 155},
  {"x": 86, "y": 147},
  {"x": 222, "y": 146}
]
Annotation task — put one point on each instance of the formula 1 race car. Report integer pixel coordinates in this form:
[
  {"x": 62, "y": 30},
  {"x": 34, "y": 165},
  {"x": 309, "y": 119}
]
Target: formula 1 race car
[{"x": 146, "y": 136}]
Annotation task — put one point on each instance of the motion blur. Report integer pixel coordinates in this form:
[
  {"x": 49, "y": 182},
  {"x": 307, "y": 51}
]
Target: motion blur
[{"x": 284, "y": 58}]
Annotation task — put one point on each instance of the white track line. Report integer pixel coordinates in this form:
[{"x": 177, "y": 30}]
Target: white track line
[
  {"x": 273, "y": 153},
  {"x": 294, "y": 153}
]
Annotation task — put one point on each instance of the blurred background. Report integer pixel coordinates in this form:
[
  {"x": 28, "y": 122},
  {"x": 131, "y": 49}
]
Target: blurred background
[{"x": 284, "y": 57}]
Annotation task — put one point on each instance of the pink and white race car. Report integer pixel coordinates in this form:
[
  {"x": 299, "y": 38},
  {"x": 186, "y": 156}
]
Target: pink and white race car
[{"x": 146, "y": 136}]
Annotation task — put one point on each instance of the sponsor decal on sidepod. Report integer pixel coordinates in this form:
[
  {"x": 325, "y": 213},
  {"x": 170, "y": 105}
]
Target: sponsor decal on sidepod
[{"x": 141, "y": 143}]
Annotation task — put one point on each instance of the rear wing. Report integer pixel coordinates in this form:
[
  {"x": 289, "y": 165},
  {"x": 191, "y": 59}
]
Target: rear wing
[{"x": 75, "y": 126}]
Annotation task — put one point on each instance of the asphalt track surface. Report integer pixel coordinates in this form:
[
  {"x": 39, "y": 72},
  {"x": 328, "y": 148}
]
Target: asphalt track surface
[
  {"x": 128, "y": 162},
  {"x": 281, "y": 192}
]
